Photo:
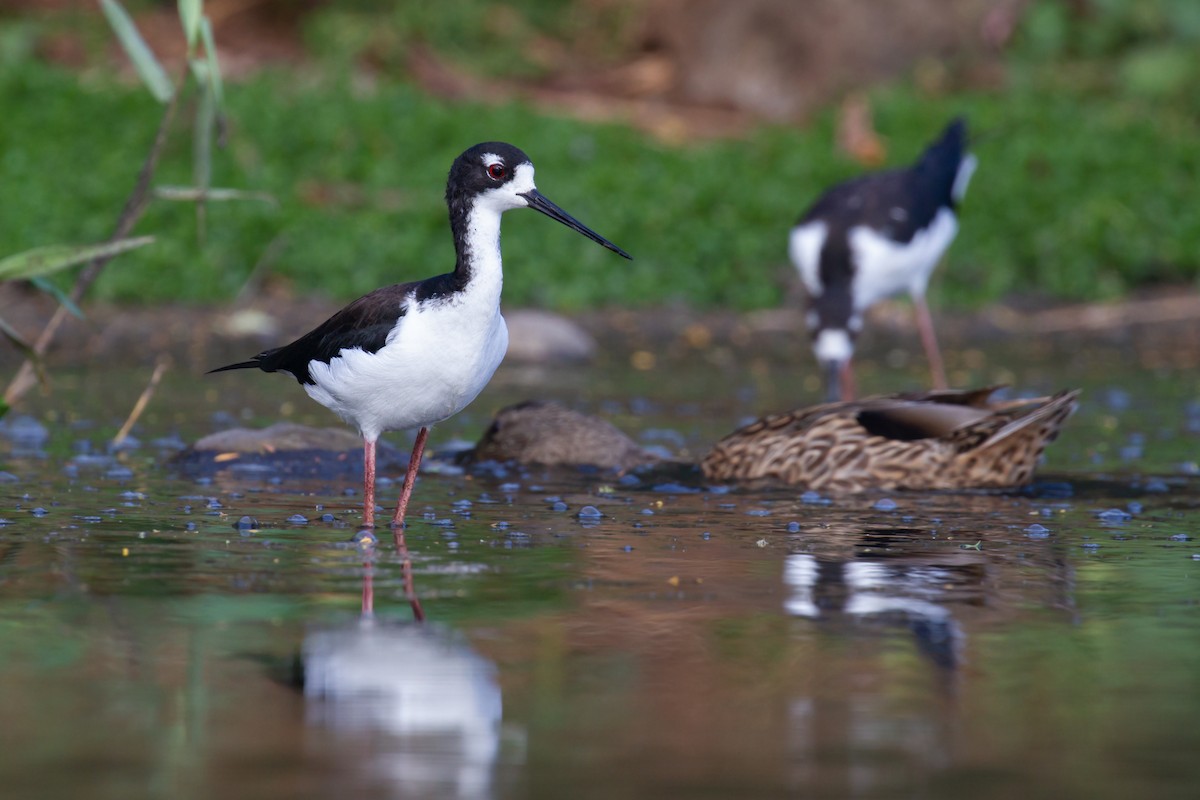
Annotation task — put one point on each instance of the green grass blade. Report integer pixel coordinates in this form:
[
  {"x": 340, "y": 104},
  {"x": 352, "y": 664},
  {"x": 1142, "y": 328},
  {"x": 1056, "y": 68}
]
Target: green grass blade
[
  {"x": 27, "y": 350},
  {"x": 17, "y": 340},
  {"x": 190, "y": 12},
  {"x": 214, "y": 68},
  {"x": 202, "y": 145},
  {"x": 190, "y": 194},
  {"x": 140, "y": 54},
  {"x": 58, "y": 294},
  {"x": 53, "y": 258}
]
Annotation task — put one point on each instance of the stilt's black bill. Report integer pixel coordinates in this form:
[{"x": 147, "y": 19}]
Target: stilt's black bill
[
  {"x": 539, "y": 203},
  {"x": 833, "y": 381}
]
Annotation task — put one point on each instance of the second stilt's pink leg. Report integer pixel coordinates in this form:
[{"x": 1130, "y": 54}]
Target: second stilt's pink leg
[
  {"x": 929, "y": 339},
  {"x": 849, "y": 389},
  {"x": 368, "y": 484},
  {"x": 410, "y": 477}
]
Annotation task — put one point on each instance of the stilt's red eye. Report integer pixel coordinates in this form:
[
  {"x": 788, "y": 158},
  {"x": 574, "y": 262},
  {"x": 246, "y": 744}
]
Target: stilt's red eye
[{"x": 497, "y": 171}]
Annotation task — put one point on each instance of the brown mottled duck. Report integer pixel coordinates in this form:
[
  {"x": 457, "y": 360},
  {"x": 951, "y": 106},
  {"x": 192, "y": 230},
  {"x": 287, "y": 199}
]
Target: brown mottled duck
[{"x": 929, "y": 440}]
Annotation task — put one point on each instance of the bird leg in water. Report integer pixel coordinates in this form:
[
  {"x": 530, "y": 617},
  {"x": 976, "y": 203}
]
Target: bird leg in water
[
  {"x": 368, "y": 594},
  {"x": 410, "y": 592},
  {"x": 410, "y": 477},
  {"x": 849, "y": 389},
  {"x": 368, "y": 484},
  {"x": 929, "y": 339}
]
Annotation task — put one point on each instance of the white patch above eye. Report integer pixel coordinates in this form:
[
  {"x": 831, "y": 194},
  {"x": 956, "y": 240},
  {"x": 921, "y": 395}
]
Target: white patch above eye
[
  {"x": 522, "y": 180},
  {"x": 491, "y": 158}
]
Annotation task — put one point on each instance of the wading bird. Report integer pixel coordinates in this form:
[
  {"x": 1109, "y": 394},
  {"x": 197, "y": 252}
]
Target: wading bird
[
  {"x": 414, "y": 354},
  {"x": 873, "y": 237}
]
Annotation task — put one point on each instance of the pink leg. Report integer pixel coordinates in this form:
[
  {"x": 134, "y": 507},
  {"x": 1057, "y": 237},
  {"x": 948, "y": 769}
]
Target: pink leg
[
  {"x": 368, "y": 598},
  {"x": 410, "y": 477},
  {"x": 410, "y": 591},
  {"x": 368, "y": 484},
  {"x": 929, "y": 339},
  {"x": 849, "y": 389}
]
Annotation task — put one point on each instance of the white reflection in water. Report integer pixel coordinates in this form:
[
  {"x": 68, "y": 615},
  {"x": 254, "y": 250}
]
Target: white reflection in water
[
  {"x": 424, "y": 686},
  {"x": 860, "y": 589}
]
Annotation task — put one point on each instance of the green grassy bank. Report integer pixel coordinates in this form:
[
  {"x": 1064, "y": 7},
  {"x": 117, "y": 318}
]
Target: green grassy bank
[{"x": 1083, "y": 191}]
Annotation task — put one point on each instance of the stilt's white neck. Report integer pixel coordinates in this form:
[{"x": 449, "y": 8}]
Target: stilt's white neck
[{"x": 480, "y": 255}]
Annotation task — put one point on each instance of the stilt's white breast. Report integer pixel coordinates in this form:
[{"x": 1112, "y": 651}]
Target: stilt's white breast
[
  {"x": 804, "y": 248},
  {"x": 885, "y": 267},
  {"x": 437, "y": 360}
]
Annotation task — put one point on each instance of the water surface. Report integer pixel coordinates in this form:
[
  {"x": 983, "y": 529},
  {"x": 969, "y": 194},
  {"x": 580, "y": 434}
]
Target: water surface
[{"x": 688, "y": 643}]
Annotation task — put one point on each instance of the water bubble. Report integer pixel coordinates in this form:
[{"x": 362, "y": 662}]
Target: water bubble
[
  {"x": 589, "y": 512},
  {"x": 246, "y": 524},
  {"x": 886, "y": 504},
  {"x": 1037, "y": 531},
  {"x": 793, "y": 527},
  {"x": 559, "y": 506},
  {"x": 298, "y": 519},
  {"x": 1114, "y": 515}
]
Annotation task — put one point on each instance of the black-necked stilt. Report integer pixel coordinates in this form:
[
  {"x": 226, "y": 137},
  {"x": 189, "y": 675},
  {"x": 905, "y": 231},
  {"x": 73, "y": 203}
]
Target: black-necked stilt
[
  {"x": 875, "y": 236},
  {"x": 414, "y": 354}
]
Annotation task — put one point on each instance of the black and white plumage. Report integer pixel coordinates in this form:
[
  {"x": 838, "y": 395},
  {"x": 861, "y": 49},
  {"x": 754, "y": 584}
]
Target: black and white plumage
[
  {"x": 414, "y": 354},
  {"x": 873, "y": 237}
]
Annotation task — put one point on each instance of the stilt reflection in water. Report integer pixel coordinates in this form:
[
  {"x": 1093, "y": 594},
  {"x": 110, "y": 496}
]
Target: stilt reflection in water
[{"x": 436, "y": 701}]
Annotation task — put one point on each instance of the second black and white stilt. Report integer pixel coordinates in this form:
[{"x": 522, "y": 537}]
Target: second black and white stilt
[
  {"x": 873, "y": 237},
  {"x": 414, "y": 354}
]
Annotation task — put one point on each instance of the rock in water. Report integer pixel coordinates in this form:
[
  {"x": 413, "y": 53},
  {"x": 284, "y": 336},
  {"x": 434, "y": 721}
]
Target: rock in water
[{"x": 536, "y": 432}]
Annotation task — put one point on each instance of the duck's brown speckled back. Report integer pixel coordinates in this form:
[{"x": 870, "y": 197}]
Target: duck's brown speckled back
[{"x": 935, "y": 440}]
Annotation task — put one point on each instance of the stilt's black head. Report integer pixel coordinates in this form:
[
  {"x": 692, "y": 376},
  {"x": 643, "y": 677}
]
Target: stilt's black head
[{"x": 499, "y": 177}]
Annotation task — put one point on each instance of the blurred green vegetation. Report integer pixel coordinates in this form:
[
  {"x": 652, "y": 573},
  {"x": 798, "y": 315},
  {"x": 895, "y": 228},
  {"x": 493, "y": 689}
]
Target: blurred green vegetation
[{"x": 1089, "y": 165}]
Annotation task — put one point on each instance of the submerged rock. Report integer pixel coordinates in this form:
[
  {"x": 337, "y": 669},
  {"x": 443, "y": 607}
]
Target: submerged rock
[
  {"x": 280, "y": 436},
  {"x": 284, "y": 449}
]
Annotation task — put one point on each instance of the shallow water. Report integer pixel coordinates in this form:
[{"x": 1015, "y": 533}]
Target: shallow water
[{"x": 686, "y": 643}]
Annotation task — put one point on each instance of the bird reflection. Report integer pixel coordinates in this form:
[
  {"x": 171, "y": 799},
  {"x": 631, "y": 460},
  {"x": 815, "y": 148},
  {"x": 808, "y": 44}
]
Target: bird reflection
[
  {"x": 881, "y": 590},
  {"x": 435, "y": 700}
]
